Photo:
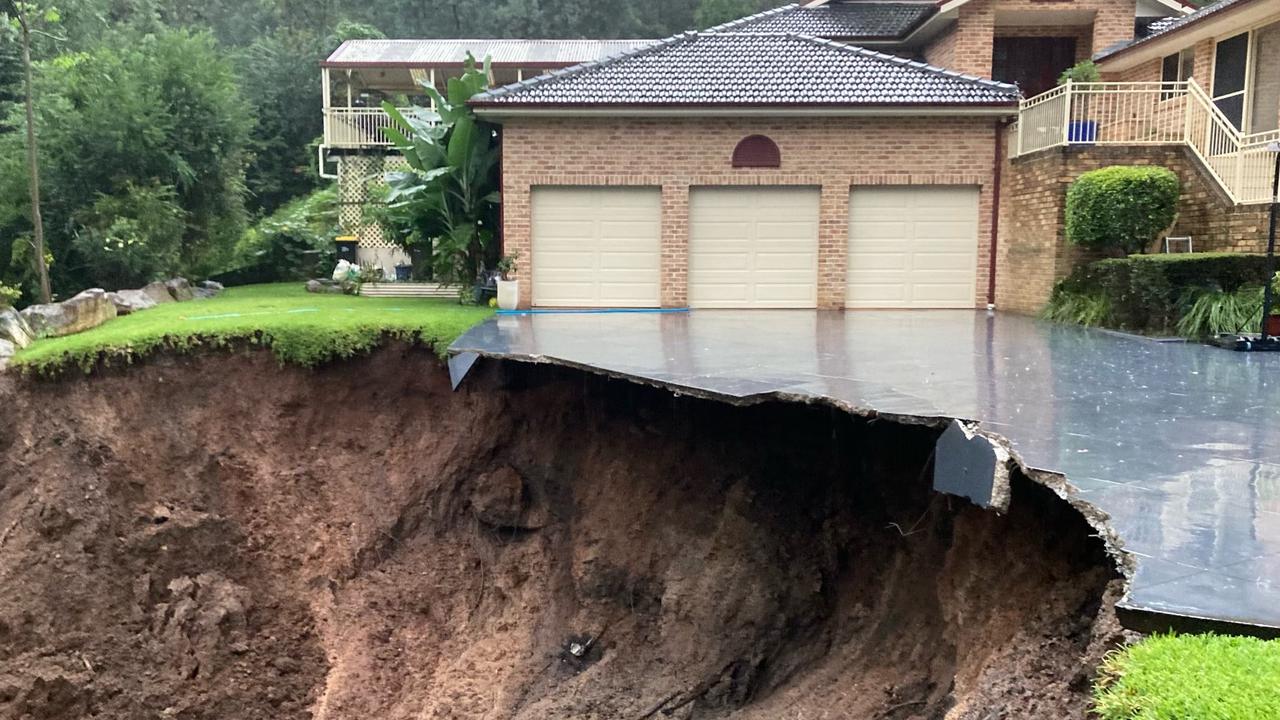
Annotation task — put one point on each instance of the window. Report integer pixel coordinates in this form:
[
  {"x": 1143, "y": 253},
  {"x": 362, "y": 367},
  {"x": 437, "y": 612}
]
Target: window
[
  {"x": 1264, "y": 111},
  {"x": 1178, "y": 67},
  {"x": 1230, "y": 66},
  {"x": 757, "y": 151}
]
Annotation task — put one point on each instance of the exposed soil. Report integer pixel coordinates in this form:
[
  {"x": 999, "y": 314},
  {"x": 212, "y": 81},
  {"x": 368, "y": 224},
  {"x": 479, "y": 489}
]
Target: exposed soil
[{"x": 218, "y": 537}]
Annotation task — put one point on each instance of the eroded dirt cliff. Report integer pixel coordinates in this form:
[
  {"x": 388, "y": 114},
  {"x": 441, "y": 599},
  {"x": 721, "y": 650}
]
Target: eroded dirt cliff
[{"x": 218, "y": 537}]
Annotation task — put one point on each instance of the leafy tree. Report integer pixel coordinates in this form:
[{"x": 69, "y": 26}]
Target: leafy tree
[
  {"x": 162, "y": 112},
  {"x": 451, "y": 187},
  {"x": 714, "y": 12},
  {"x": 21, "y": 19}
]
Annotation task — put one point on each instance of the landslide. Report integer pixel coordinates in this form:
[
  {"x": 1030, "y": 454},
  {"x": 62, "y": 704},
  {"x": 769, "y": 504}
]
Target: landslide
[{"x": 220, "y": 537}]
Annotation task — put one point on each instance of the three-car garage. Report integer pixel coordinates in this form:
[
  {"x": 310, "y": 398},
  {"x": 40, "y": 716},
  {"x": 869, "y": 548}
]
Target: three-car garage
[{"x": 754, "y": 247}]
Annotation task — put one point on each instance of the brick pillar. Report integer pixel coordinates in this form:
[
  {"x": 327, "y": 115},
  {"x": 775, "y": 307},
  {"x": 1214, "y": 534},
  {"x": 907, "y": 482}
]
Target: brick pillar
[
  {"x": 674, "y": 291},
  {"x": 517, "y": 235},
  {"x": 833, "y": 243}
]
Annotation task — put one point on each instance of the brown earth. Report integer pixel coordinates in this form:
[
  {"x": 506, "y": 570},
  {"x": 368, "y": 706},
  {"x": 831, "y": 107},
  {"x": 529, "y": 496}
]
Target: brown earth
[{"x": 217, "y": 537}]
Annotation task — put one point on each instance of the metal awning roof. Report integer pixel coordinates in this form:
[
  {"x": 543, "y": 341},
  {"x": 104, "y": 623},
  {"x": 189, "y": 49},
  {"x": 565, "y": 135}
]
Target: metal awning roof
[{"x": 451, "y": 52}]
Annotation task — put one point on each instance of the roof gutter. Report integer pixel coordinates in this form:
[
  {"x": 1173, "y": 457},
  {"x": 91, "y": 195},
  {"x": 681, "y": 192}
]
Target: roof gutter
[{"x": 500, "y": 111}]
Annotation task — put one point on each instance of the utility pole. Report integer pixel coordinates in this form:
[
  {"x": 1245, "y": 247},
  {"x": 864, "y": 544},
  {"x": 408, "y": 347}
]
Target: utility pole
[{"x": 33, "y": 164}]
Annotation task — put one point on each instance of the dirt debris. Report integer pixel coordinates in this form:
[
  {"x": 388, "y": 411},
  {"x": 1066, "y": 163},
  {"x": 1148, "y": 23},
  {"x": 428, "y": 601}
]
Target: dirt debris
[{"x": 219, "y": 537}]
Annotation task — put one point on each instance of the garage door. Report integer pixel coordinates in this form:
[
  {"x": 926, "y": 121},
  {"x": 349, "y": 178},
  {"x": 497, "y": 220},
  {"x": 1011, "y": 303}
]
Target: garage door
[
  {"x": 596, "y": 247},
  {"x": 912, "y": 247},
  {"x": 753, "y": 247}
]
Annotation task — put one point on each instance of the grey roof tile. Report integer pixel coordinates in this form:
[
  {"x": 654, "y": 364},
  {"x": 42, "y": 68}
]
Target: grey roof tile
[
  {"x": 727, "y": 68},
  {"x": 839, "y": 21}
]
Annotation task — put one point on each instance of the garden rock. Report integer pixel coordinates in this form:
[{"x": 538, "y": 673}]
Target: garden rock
[
  {"x": 131, "y": 301},
  {"x": 212, "y": 285},
  {"x": 14, "y": 329},
  {"x": 83, "y": 312},
  {"x": 324, "y": 286},
  {"x": 180, "y": 289},
  {"x": 158, "y": 292},
  {"x": 7, "y": 350}
]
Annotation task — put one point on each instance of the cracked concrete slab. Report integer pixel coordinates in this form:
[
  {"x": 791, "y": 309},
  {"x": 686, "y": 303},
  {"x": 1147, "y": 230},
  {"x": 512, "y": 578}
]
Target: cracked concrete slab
[{"x": 1171, "y": 451}]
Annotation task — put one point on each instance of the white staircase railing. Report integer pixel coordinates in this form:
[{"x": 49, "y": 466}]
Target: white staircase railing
[{"x": 1150, "y": 114}]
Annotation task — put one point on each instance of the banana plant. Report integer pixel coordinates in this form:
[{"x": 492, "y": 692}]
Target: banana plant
[{"x": 449, "y": 194}]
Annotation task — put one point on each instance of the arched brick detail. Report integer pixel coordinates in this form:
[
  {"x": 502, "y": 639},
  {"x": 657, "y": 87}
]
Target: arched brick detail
[{"x": 757, "y": 151}]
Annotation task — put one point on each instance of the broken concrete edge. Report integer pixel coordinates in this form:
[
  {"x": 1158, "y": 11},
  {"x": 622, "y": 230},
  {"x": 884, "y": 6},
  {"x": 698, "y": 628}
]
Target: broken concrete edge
[{"x": 1125, "y": 562}]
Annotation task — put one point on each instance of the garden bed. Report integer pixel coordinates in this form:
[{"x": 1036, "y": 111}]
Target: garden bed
[{"x": 1193, "y": 295}]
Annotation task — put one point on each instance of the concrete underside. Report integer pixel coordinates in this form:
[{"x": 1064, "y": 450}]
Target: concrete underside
[{"x": 1171, "y": 450}]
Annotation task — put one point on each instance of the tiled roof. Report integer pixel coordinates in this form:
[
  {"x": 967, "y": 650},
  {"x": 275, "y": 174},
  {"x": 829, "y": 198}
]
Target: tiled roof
[
  {"x": 751, "y": 69},
  {"x": 1164, "y": 27},
  {"x": 839, "y": 21},
  {"x": 425, "y": 53}
]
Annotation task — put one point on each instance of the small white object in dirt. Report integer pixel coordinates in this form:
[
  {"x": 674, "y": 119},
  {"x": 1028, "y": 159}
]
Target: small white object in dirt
[
  {"x": 14, "y": 329},
  {"x": 577, "y": 649},
  {"x": 83, "y": 312}
]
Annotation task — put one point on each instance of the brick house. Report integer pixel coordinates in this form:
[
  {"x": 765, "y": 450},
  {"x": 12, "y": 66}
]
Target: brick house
[
  {"x": 1198, "y": 93},
  {"x": 850, "y": 154}
]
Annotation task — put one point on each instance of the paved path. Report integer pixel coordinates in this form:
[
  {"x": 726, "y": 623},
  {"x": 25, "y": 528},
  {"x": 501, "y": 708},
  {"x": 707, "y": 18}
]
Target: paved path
[{"x": 1178, "y": 443}]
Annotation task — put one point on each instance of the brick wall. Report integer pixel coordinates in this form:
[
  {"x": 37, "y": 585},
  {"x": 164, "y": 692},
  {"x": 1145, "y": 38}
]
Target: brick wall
[
  {"x": 968, "y": 46},
  {"x": 834, "y": 154},
  {"x": 1033, "y": 250}
]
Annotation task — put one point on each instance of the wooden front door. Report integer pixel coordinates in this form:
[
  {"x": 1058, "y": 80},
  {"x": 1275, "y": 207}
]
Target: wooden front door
[{"x": 1032, "y": 63}]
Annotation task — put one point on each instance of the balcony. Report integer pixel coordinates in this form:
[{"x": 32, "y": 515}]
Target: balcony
[
  {"x": 357, "y": 127},
  {"x": 1137, "y": 114}
]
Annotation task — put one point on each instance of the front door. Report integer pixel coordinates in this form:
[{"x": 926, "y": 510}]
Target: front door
[{"x": 1032, "y": 63}]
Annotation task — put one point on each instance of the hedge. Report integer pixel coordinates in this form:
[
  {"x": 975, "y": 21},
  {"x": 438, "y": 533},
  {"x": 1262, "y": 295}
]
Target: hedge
[
  {"x": 1121, "y": 207},
  {"x": 1147, "y": 293}
]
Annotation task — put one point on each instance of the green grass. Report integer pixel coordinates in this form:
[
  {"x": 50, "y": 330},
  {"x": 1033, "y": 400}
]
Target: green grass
[
  {"x": 300, "y": 327},
  {"x": 1191, "y": 677}
]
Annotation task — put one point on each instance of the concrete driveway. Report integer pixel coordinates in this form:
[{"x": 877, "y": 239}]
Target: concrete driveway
[{"x": 1179, "y": 444}]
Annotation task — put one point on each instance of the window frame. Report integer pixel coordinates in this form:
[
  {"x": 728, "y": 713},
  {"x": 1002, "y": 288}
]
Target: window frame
[{"x": 1184, "y": 67}]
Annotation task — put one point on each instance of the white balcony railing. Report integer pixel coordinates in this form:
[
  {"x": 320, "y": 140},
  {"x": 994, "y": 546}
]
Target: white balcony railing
[
  {"x": 356, "y": 127},
  {"x": 1150, "y": 114}
]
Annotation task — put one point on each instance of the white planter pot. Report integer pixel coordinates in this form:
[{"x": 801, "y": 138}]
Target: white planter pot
[{"x": 508, "y": 294}]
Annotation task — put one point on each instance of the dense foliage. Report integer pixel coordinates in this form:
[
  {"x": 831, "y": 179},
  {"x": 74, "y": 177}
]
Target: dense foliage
[
  {"x": 1194, "y": 294},
  {"x": 168, "y": 127},
  {"x": 1121, "y": 208},
  {"x": 293, "y": 243},
  {"x": 1180, "y": 677},
  {"x": 449, "y": 195}
]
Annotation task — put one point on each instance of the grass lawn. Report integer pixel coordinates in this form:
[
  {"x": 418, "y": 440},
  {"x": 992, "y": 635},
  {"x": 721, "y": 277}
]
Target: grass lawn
[
  {"x": 300, "y": 327},
  {"x": 1191, "y": 677}
]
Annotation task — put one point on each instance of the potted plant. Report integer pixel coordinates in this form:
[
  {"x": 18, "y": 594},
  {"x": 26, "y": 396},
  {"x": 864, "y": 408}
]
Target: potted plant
[
  {"x": 508, "y": 289},
  {"x": 1081, "y": 131}
]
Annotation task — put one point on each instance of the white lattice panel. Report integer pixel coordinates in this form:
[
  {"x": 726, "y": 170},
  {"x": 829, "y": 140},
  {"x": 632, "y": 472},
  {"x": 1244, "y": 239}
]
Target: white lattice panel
[{"x": 358, "y": 178}]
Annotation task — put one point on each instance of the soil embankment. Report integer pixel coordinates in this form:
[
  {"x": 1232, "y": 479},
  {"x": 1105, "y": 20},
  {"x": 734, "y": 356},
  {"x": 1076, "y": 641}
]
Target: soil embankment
[{"x": 218, "y": 537}]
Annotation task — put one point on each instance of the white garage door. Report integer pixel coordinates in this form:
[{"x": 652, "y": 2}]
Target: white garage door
[
  {"x": 912, "y": 247},
  {"x": 596, "y": 247},
  {"x": 753, "y": 247}
]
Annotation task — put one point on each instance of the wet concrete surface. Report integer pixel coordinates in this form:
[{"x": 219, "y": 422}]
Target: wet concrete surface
[{"x": 1179, "y": 444}]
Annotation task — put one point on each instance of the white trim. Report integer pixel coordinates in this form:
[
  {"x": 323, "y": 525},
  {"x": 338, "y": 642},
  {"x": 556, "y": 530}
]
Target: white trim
[{"x": 500, "y": 112}]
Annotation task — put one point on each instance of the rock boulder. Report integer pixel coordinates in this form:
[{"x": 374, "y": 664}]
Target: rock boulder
[
  {"x": 180, "y": 289},
  {"x": 85, "y": 311},
  {"x": 14, "y": 329},
  {"x": 131, "y": 301},
  {"x": 7, "y": 349},
  {"x": 158, "y": 293}
]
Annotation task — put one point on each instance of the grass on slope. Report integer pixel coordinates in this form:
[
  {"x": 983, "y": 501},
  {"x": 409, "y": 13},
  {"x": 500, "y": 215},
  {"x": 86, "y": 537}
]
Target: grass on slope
[
  {"x": 1191, "y": 677},
  {"x": 300, "y": 327}
]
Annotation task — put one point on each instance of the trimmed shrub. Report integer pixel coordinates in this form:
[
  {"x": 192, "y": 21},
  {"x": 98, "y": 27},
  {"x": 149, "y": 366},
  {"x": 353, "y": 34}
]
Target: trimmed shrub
[
  {"x": 1151, "y": 293},
  {"x": 1121, "y": 207}
]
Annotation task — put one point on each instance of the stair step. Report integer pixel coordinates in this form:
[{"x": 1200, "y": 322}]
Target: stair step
[{"x": 409, "y": 290}]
